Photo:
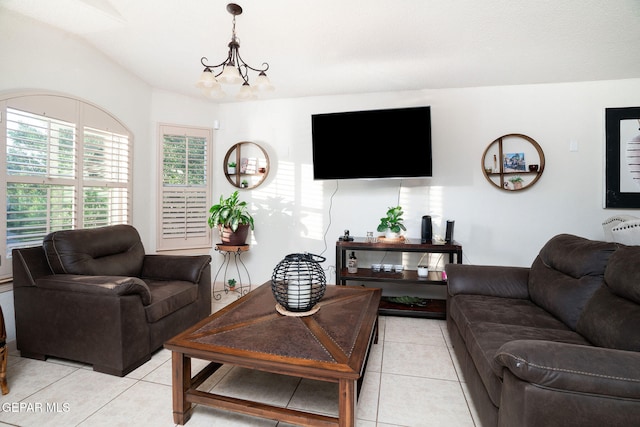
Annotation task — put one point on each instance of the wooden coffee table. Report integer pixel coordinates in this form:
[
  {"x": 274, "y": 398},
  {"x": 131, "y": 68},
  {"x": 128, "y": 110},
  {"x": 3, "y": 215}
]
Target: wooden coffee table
[{"x": 331, "y": 345}]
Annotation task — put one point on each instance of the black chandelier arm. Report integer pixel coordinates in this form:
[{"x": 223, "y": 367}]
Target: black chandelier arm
[
  {"x": 264, "y": 64},
  {"x": 204, "y": 58}
]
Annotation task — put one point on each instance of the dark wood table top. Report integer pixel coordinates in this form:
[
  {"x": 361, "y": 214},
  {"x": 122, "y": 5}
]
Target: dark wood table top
[{"x": 330, "y": 344}]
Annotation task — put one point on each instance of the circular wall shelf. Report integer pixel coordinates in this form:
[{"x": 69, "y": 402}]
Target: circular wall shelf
[
  {"x": 252, "y": 165},
  {"x": 513, "y": 162}
]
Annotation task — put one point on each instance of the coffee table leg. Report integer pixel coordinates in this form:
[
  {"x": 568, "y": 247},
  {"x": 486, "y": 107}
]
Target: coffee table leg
[
  {"x": 181, "y": 382},
  {"x": 347, "y": 403}
]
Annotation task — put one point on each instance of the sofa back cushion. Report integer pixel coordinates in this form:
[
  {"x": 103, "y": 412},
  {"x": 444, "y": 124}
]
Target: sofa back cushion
[
  {"x": 566, "y": 273},
  {"x": 109, "y": 251},
  {"x": 612, "y": 315}
]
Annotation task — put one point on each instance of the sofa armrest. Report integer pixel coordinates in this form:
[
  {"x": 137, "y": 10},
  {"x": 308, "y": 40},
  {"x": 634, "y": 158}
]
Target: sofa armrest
[
  {"x": 498, "y": 281},
  {"x": 573, "y": 367},
  {"x": 99, "y": 285},
  {"x": 174, "y": 267}
]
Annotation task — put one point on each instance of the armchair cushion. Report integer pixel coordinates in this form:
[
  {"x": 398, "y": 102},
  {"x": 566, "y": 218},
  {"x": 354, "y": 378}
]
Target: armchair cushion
[
  {"x": 168, "y": 297},
  {"x": 114, "y": 251}
]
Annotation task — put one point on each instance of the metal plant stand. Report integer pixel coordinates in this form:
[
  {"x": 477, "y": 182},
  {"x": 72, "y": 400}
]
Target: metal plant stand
[{"x": 232, "y": 252}]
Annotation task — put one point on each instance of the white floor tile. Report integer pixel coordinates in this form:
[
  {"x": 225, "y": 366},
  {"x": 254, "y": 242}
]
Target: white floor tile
[
  {"x": 418, "y": 360},
  {"x": 422, "y": 402},
  {"x": 125, "y": 409},
  {"x": 410, "y": 381}
]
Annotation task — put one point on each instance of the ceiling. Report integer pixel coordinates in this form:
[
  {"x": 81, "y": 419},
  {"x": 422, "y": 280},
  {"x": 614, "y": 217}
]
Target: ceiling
[{"x": 333, "y": 47}]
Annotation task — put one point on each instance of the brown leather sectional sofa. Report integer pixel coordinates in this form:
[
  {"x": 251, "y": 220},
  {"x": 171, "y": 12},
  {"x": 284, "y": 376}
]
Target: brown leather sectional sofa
[
  {"x": 556, "y": 344},
  {"x": 94, "y": 296}
]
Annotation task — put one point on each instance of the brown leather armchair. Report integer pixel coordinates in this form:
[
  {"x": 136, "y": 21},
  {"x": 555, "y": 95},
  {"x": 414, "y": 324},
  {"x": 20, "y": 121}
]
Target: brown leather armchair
[{"x": 94, "y": 296}]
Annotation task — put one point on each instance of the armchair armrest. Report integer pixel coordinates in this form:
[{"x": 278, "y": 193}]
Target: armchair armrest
[
  {"x": 175, "y": 267},
  {"x": 573, "y": 367},
  {"x": 498, "y": 281},
  {"x": 101, "y": 285}
]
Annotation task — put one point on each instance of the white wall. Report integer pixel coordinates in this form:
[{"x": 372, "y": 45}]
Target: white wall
[{"x": 296, "y": 214}]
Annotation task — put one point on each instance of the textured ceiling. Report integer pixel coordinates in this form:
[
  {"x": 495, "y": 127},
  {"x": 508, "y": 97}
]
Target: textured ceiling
[{"x": 354, "y": 46}]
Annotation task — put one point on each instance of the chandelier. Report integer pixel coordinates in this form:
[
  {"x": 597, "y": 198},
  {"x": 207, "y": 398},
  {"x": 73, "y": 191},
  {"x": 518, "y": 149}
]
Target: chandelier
[{"x": 233, "y": 70}]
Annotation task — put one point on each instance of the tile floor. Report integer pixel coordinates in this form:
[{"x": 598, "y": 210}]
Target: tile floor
[{"x": 411, "y": 380}]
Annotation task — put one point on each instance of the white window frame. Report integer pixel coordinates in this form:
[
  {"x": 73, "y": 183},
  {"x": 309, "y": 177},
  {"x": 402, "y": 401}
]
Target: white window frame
[
  {"x": 183, "y": 208},
  {"x": 101, "y": 164}
]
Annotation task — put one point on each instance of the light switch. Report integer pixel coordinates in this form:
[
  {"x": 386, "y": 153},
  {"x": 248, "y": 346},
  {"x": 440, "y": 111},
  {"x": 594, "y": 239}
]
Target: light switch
[{"x": 573, "y": 145}]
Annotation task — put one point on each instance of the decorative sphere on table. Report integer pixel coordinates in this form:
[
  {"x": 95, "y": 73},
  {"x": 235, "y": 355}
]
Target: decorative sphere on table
[{"x": 298, "y": 282}]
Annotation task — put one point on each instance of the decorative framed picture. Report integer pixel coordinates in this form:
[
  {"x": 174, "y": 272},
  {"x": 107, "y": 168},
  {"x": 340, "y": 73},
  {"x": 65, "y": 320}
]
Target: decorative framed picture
[
  {"x": 622, "y": 157},
  {"x": 514, "y": 162}
]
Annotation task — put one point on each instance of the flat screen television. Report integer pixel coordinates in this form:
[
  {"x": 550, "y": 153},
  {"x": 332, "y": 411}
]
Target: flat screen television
[{"x": 387, "y": 143}]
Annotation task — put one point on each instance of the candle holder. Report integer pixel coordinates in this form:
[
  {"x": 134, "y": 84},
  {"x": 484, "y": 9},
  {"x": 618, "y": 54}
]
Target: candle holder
[{"x": 298, "y": 282}]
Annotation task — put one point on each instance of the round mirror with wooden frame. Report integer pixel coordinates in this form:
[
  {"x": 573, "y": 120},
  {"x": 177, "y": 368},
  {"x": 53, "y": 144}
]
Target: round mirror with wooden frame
[
  {"x": 246, "y": 165},
  {"x": 513, "y": 162}
]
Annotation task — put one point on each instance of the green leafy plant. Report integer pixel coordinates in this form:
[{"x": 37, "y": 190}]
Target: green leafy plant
[
  {"x": 232, "y": 164},
  {"x": 515, "y": 179},
  {"x": 231, "y": 283},
  {"x": 393, "y": 220},
  {"x": 230, "y": 212}
]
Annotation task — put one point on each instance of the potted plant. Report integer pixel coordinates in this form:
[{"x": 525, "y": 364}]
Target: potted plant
[
  {"x": 231, "y": 168},
  {"x": 244, "y": 183},
  {"x": 516, "y": 181},
  {"x": 392, "y": 224},
  {"x": 232, "y": 284},
  {"x": 232, "y": 218}
]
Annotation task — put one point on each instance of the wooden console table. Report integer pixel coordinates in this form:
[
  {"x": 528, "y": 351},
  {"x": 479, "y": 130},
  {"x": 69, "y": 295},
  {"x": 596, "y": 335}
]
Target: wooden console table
[{"x": 434, "y": 308}]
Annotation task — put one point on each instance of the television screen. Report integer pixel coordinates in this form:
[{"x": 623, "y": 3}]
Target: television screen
[{"x": 388, "y": 143}]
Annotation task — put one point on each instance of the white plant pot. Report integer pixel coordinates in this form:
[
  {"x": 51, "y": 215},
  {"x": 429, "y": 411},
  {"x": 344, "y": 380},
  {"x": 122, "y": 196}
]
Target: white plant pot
[
  {"x": 231, "y": 171},
  {"x": 391, "y": 235}
]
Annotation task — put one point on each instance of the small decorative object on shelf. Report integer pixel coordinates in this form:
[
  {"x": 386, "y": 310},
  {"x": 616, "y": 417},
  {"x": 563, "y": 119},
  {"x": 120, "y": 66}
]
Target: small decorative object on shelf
[
  {"x": 516, "y": 181},
  {"x": 423, "y": 271},
  {"x": 298, "y": 282},
  {"x": 231, "y": 168},
  {"x": 352, "y": 265},
  {"x": 232, "y": 284}
]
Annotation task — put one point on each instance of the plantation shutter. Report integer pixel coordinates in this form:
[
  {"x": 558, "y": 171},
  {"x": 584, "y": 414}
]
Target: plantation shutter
[
  {"x": 186, "y": 188},
  {"x": 67, "y": 165}
]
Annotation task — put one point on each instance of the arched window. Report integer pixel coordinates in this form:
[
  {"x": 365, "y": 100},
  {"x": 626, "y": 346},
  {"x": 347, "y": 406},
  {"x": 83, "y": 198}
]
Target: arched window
[{"x": 66, "y": 164}]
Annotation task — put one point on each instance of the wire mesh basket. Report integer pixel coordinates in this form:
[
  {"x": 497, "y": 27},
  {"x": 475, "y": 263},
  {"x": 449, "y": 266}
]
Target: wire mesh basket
[{"x": 298, "y": 282}]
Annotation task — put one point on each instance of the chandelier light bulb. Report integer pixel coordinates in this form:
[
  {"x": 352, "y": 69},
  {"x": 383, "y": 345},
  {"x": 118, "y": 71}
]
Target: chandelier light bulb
[
  {"x": 230, "y": 75},
  {"x": 263, "y": 83}
]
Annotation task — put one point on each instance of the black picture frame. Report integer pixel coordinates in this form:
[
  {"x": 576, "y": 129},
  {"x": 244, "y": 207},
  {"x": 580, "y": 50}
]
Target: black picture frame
[{"x": 616, "y": 194}]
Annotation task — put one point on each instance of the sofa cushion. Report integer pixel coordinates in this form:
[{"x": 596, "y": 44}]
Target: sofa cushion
[
  {"x": 168, "y": 296},
  {"x": 485, "y": 339},
  {"x": 486, "y": 323},
  {"x": 112, "y": 251},
  {"x": 622, "y": 275},
  {"x": 611, "y": 317},
  {"x": 466, "y": 309},
  {"x": 566, "y": 273}
]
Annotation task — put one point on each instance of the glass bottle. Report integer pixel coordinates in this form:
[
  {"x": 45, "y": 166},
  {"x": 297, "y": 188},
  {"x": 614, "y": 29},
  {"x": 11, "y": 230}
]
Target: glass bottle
[{"x": 352, "y": 264}]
